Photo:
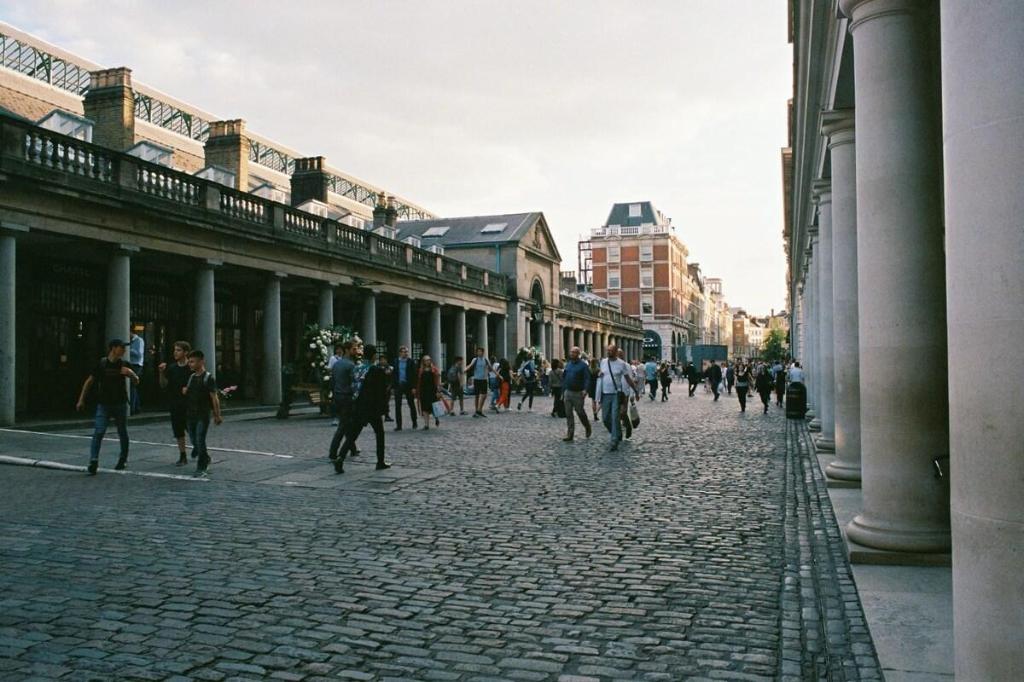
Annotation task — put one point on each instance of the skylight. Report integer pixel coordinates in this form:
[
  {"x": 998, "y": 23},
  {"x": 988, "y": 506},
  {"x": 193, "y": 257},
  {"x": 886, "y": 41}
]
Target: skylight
[
  {"x": 494, "y": 228},
  {"x": 436, "y": 231}
]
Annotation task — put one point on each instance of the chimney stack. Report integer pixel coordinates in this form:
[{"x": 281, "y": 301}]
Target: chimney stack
[
  {"x": 310, "y": 180},
  {"x": 110, "y": 104},
  {"x": 228, "y": 147}
]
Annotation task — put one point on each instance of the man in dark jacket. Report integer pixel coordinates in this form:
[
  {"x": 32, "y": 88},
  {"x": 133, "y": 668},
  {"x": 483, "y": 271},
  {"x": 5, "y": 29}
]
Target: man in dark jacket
[
  {"x": 403, "y": 378},
  {"x": 715, "y": 374},
  {"x": 369, "y": 407},
  {"x": 692, "y": 377}
]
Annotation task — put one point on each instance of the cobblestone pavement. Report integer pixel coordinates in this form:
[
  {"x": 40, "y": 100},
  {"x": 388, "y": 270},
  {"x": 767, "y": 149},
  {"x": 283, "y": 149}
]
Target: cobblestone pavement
[{"x": 704, "y": 549}]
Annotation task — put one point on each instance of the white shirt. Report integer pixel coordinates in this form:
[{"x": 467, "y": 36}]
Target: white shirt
[{"x": 613, "y": 377}]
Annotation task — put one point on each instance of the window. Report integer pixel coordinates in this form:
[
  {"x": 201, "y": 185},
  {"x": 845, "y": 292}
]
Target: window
[
  {"x": 436, "y": 232},
  {"x": 615, "y": 300},
  {"x": 646, "y": 277},
  {"x": 614, "y": 254},
  {"x": 647, "y": 305},
  {"x": 647, "y": 252},
  {"x": 494, "y": 228},
  {"x": 613, "y": 278},
  {"x": 634, "y": 210}
]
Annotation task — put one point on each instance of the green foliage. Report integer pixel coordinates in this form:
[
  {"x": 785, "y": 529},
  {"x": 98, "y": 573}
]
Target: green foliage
[{"x": 774, "y": 348}]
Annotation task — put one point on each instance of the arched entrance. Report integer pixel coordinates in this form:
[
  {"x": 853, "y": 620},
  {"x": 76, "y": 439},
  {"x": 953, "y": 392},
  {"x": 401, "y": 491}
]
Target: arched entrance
[{"x": 535, "y": 315}]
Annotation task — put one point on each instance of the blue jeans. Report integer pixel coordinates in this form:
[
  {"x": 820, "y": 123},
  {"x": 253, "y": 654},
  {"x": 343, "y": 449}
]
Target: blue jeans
[
  {"x": 104, "y": 413},
  {"x": 610, "y": 415},
  {"x": 197, "y": 429}
]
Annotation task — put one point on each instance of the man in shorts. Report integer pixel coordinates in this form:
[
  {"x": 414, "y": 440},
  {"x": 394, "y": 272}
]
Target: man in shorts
[
  {"x": 479, "y": 369},
  {"x": 173, "y": 379}
]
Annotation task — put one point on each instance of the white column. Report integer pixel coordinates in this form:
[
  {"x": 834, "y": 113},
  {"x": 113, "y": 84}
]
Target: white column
[
  {"x": 901, "y": 277},
  {"x": 368, "y": 327},
  {"x": 983, "y": 128},
  {"x": 326, "y": 316},
  {"x": 825, "y": 442},
  {"x": 481, "y": 334},
  {"x": 459, "y": 348},
  {"x": 839, "y": 128},
  {"x": 8, "y": 309},
  {"x": 272, "y": 340},
  {"x": 405, "y": 324},
  {"x": 812, "y": 329},
  {"x": 119, "y": 282},
  {"x": 434, "y": 340},
  {"x": 501, "y": 335},
  {"x": 205, "y": 337}
]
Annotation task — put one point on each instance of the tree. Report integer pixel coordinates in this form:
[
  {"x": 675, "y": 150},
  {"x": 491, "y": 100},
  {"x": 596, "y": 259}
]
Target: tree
[{"x": 774, "y": 348}]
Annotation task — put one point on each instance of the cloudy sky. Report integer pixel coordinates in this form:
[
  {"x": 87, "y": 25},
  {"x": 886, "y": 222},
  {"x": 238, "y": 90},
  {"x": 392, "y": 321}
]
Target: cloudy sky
[{"x": 472, "y": 108}]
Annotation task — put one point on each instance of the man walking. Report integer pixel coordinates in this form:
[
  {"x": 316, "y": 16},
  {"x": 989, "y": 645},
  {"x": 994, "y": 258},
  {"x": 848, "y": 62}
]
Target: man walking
[
  {"x": 651, "y": 374},
  {"x": 404, "y": 381},
  {"x": 610, "y": 392},
  {"x": 692, "y": 377},
  {"x": 330, "y": 367},
  {"x": 574, "y": 387},
  {"x": 456, "y": 386},
  {"x": 341, "y": 387},
  {"x": 480, "y": 369},
  {"x": 174, "y": 378},
  {"x": 730, "y": 379},
  {"x": 202, "y": 398},
  {"x": 111, "y": 401},
  {"x": 715, "y": 378}
]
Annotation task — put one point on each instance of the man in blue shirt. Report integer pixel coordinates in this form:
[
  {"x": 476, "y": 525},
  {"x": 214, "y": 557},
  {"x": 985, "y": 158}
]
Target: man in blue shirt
[
  {"x": 574, "y": 390},
  {"x": 479, "y": 369},
  {"x": 651, "y": 373},
  {"x": 404, "y": 381},
  {"x": 136, "y": 358}
]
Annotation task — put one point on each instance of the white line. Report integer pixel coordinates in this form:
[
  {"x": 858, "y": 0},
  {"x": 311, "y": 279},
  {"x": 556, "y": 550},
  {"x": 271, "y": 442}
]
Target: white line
[
  {"x": 146, "y": 442},
  {"x": 46, "y": 464}
]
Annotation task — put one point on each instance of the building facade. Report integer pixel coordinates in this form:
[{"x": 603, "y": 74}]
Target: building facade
[{"x": 905, "y": 185}]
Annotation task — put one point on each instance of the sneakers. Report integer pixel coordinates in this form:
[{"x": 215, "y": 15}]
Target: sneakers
[
  {"x": 201, "y": 473},
  {"x": 334, "y": 422},
  {"x": 122, "y": 463},
  {"x": 382, "y": 465},
  {"x": 339, "y": 467},
  {"x": 567, "y": 439},
  {"x": 93, "y": 467}
]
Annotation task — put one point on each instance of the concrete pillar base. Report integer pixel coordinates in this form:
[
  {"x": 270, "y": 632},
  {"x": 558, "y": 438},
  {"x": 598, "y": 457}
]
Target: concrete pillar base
[
  {"x": 824, "y": 444},
  {"x": 815, "y": 423},
  {"x": 843, "y": 471},
  {"x": 883, "y": 535}
]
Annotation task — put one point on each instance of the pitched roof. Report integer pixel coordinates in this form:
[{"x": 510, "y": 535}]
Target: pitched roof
[
  {"x": 619, "y": 215},
  {"x": 468, "y": 230}
]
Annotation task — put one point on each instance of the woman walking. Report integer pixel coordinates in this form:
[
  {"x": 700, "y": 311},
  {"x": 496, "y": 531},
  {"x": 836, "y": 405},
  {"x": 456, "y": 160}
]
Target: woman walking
[
  {"x": 743, "y": 381},
  {"x": 665, "y": 375},
  {"x": 528, "y": 373},
  {"x": 763, "y": 382},
  {"x": 555, "y": 382},
  {"x": 428, "y": 390},
  {"x": 505, "y": 384}
]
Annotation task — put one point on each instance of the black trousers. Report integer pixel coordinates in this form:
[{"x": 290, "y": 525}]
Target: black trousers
[
  {"x": 343, "y": 408},
  {"x": 377, "y": 424},
  {"x": 741, "y": 391},
  {"x": 558, "y": 410},
  {"x": 694, "y": 383},
  {"x": 406, "y": 391},
  {"x": 531, "y": 388}
]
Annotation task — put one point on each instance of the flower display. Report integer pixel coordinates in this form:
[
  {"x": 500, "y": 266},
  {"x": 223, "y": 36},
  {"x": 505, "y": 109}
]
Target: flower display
[{"x": 321, "y": 344}]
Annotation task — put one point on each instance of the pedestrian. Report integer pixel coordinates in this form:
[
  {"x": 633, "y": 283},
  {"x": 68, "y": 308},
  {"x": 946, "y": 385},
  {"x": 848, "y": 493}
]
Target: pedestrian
[
  {"x": 764, "y": 384},
  {"x": 505, "y": 380},
  {"x": 202, "y": 398},
  {"x": 730, "y": 379},
  {"x": 651, "y": 375},
  {"x": 692, "y": 377},
  {"x": 330, "y": 366},
  {"x": 575, "y": 380},
  {"x": 368, "y": 408},
  {"x": 342, "y": 392},
  {"x": 111, "y": 401},
  {"x": 428, "y": 390},
  {"x": 136, "y": 358},
  {"x": 743, "y": 381},
  {"x": 595, "y": 373},
  {"x": 456, "y": 385},
  {"x": 528, "y": 373},
  {"x": 665, "y": 376},
  {"x": 173, "y": 378},
  {"x": 382, "y": 361},
  {"x": 615, "y": 375},
  {"x": 480, "y": 369},
  {"x": 404, "y": 384},
  {"x": 544, "y": 373},
  {"x": 715, "y": 378},
  {"x": 555, "y": 382}
]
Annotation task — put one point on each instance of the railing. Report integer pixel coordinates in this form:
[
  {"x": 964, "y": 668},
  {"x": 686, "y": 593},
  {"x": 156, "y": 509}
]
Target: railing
[
  {"x": 38, "y": 148},
  {"x": 170, "y": 117},
  {"x": 35, "y": 63},
  {"x": 574, "y": 305}
]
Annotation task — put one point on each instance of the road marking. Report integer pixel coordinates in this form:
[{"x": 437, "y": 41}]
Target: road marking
[
  {"x": 147, "y": 442},
  {"x": 47, "y": 464}
]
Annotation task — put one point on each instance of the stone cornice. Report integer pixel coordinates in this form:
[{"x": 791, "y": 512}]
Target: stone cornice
[
  {"x": 821, "y": 190},
  {"x": 838, "y": 126}
]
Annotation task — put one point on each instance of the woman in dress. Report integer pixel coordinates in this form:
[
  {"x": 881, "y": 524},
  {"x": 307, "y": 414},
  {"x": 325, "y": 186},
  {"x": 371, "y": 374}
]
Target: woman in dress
[{"x": 428, "y": 390}]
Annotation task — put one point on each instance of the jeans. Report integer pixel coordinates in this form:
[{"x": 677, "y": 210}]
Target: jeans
[
  {"x": 574, "y": 403},
  {"x": 610, "y": 415},
  {"x": 104, "y": 413},
  {"x": 530, "y": 387},
  {"x": 406, "y": 391},
  {"x": 653, "y": 384},
  {"x": 343, "y": 408},
  {"x": 197, "y": 430}
]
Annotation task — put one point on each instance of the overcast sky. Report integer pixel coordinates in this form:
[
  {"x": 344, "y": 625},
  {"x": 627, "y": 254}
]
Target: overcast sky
[{"x": 471, "y": 108}]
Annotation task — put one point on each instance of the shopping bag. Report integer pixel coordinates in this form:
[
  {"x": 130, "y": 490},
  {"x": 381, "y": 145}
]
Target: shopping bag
[
  {"x": 634, "y": 415},
  {"x": 439, "y": 409}
]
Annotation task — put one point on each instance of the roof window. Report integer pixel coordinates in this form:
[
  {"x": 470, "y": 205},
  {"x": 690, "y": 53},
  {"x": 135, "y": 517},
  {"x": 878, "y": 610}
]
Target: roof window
[
  {"x": 436, "y": 231},
  {"x": 494, "y": 228}
]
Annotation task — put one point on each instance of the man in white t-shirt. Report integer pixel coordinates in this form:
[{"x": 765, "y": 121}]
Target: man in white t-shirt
[
  {"x": 796, "y": 374},
  {"x": 615, "y": 376}
]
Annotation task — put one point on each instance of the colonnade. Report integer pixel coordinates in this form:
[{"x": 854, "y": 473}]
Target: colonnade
[
  {"x": 593, "y": 343},
  {"x": 912, "y": 302}
]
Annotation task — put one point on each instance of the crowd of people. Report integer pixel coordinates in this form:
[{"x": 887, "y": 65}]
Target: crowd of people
[{"x": 364, "y": 386}]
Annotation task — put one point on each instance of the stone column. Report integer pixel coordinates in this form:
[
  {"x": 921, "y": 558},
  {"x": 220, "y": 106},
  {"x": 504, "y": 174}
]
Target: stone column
[
  {"x": 434, "y": 340},
  {"x": 839, "y": 128},
  {"x": 501, "y": 335},
  {"x": 459, "y": 348},
  {"x": 326, "y": 310},
  {"x": 983, "y": 126},
  {"x": 368, "y": 330},
  {"x": 405, "y": 324},
  {"x": 825, "y": 442},
  {"x": 901, "y": 276},
  {"x": 481, "y": 335},
  {"x": 8, "y": 309},
  {"x": 119, "y": 284},
  {"x": 812, "y": 328},
  {"x": 272, "y": 340},
  {"x": 205, "y": 336}
]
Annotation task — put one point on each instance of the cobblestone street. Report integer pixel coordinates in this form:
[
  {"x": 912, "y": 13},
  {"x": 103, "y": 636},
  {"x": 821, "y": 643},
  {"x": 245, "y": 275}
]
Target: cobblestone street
[{"x": 705, "y": 548}]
